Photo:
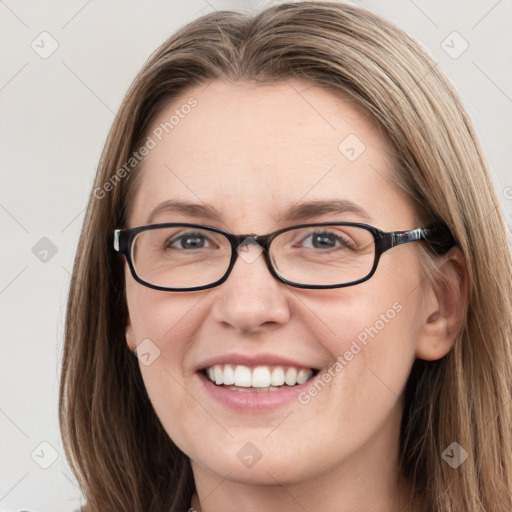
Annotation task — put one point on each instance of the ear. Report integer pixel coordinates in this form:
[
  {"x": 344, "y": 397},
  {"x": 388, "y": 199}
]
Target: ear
[
  {"x": 444, "y": 307},
  {"x": 130, "y": 335}
]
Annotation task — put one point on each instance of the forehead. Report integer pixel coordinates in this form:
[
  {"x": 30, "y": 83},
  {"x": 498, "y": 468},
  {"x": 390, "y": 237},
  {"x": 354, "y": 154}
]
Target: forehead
[{"x": 251, "y": 150}]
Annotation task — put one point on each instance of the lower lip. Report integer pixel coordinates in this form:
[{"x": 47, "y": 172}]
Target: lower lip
[{"x": 253, "y": 400}]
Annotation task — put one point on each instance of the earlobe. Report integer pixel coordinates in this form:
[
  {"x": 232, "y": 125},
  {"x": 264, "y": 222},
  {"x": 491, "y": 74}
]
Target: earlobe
[
  {"x": 445, "y": 308},
  {"x": 130, "y": 336}
]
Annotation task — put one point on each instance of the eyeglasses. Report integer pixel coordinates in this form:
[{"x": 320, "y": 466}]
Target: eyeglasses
[{"x": 189, "y": 257}]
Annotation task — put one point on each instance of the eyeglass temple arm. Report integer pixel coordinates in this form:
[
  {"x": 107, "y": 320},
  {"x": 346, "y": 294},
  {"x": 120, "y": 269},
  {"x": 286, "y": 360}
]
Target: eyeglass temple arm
[
  {"x": 438, "y": 236},
  {"x": 120, "y": 241}
]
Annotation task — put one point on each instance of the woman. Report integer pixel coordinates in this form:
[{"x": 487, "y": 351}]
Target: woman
[{"x": 358, "y": 357}]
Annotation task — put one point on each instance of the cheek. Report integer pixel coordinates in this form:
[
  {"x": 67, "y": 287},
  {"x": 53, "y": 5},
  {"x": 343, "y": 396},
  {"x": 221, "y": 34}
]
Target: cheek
[
  {"x": 370, "y": 336},
  {"x": 370, "y": 332},
  {"x": 164, "y": 318},
  {"x": 372, "y": 352},
  {"x": 163, "y": 326}
]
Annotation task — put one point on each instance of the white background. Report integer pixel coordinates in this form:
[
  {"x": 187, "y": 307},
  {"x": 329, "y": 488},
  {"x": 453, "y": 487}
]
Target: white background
[{"x": 55, "y": 115}]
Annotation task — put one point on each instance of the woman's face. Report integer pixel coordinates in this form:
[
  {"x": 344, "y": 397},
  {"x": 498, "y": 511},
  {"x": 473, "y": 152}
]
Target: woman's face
[{"x": 251, "y": 153}]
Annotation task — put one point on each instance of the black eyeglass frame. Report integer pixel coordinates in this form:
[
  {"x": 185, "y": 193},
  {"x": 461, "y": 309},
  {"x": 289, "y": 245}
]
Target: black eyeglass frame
[{"x": 438, "y": 236}]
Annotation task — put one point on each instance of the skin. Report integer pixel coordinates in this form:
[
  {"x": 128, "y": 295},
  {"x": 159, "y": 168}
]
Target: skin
[{"x": 251, "y": 151}]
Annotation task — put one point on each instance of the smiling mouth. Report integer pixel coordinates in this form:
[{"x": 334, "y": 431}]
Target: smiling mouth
[{"x": 258, "y": 378}]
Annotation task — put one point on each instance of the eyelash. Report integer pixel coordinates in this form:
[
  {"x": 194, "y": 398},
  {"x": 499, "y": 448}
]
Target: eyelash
[{"x": 343, "y": 242}]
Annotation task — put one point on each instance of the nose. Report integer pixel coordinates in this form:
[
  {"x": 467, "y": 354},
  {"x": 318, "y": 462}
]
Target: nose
[{"x": 251, "y": 299}]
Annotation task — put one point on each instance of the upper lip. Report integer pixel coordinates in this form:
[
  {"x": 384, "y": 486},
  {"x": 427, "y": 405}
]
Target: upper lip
[{"x": 252, "y": 360}]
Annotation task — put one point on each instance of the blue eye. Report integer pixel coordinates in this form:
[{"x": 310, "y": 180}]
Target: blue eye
[
  {"x": 324, "y": 240},
  {"x": 189, "y": 241}
]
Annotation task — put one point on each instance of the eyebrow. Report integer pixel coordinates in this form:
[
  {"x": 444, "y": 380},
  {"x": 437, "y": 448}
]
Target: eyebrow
[
  {"x": 296, "y": 212},
  {"x": 184, "y": 208}
]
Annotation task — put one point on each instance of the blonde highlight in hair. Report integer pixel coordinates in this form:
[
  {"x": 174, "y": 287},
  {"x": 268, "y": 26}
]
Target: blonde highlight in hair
[{"x": 117, "y": 448}]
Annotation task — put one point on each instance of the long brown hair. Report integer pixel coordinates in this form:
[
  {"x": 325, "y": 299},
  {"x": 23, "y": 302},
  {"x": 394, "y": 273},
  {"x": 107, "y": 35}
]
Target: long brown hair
[{"x": 117, "y": 448}]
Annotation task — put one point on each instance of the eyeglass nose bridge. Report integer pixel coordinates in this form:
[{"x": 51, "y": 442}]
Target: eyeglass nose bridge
[{"x": 238, "y": 242}]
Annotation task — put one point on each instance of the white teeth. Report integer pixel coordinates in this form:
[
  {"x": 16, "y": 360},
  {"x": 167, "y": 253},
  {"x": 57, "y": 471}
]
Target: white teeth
[
  {"x": 219, "y": 374},
  {"x": 242, "y": 376},
  {"x": 229, "y": 375},
  {"x": 291, "y": 376},
  {"x": 277, "y": 378},
  {"x": 263, "y": 378},
  {"x": 303, "y": 376}
]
